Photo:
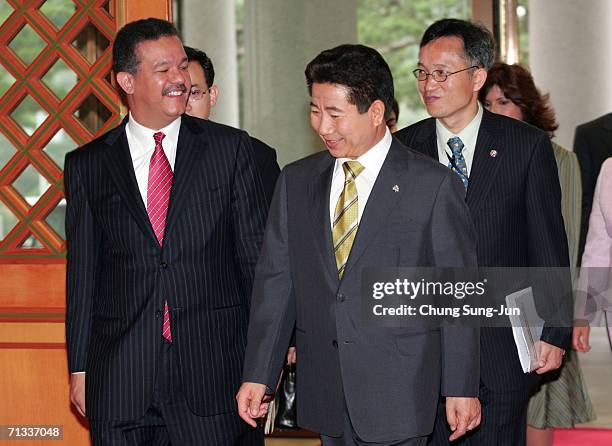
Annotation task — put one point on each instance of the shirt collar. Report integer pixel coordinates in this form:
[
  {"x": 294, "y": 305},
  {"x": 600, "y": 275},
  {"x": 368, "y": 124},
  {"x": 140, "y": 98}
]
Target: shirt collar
[
  {"x": 373, "y": 159},
  {"x": 468, "y": 135},
  {"x": 143, "y": 137}
]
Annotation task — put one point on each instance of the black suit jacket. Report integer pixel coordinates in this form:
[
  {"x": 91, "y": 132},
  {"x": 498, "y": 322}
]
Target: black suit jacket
[
  {"x": 265, "y": 158},
  {"x": 118, "y": 276},
  {"x": 515, "y": 201},
  {"x": 592, "y": 144},
  {"x": 389, "y": 379}
]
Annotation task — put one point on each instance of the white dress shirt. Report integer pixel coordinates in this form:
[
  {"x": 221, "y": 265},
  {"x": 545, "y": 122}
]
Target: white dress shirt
[
  {"x": 142, "y": 145},
  {"x": 468, "y": 136},
  {"x": 372, "y": 161}
]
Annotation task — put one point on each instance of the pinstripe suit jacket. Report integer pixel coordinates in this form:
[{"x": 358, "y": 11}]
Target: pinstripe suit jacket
[
  {"x": 515, "y": 202},
  {"x": 118, "y": 276}
]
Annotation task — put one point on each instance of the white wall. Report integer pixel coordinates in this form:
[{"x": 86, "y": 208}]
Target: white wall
[{"x": 570, "y": 46}]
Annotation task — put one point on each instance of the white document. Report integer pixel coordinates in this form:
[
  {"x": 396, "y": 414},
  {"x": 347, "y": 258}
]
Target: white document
[{"x": 526, "y": 327}]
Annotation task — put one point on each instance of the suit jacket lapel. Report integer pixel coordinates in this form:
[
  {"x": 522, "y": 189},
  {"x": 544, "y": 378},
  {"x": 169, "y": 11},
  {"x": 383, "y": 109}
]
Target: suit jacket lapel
[
  {"x": 318, "y": 191},
  {"x": 121, "y": 170},
  {"x": 185, "y": 171},
  {"x": 488, "y": 154},
  {"x": 383, "y": 199}
]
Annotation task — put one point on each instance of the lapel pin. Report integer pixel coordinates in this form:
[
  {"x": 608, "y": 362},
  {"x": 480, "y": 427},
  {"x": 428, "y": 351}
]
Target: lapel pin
[
  {"x": 396, "y": 188},
  {"x": 493, "y": 153}
]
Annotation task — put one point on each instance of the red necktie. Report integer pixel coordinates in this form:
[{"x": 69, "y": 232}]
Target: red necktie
[{"x": 158, "y": 197}]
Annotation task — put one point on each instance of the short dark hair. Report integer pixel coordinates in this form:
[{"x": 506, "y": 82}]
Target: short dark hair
[
  {"x": 517, "y": 85},
  {"x": 199, "y": 56},
  {"x": 128, "y": 38},
  {"x": 478, "y": 41},
  {"x": 361, "y": 69}
]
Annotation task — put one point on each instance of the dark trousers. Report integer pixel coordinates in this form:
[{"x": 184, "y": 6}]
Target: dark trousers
[
  {"x": 169, "y": 421},
  {"x": 350, "y": 438},
  {"x": 504, "y": 421}
]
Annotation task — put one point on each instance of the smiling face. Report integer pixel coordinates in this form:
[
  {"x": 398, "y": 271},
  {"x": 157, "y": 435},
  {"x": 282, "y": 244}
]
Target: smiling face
[
  {"x": 345, "y": 132},
  {"x": 497, "y": 102},
  {"x": 158, "y": 91},
  {"x": 455, "y": 101}
]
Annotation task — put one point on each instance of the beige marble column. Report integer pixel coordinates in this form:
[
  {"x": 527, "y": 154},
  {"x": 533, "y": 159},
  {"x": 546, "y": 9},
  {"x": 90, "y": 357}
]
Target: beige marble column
[
  {"x": 570, "y": 46},
  {"x": 281, "y": 38},
  {"x": 210, "y": 25}
]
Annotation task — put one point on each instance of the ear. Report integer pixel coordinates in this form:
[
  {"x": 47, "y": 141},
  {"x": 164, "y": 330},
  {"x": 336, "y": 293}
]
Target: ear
[
  {"x": 126, "y": 82},
  {"x": 479, "y": 76},
  {"x": 214, "y": 91},
  {"x": 377, "y": 112}
]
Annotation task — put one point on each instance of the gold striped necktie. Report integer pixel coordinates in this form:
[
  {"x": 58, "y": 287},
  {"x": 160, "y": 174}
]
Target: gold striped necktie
[{"x": 346, "y": 216}]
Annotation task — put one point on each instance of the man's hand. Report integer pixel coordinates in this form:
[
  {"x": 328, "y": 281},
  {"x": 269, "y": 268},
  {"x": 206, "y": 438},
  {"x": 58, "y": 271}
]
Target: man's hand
[
  {"x": 252, "y": 402},
  {"x": 77, "y": 391},
  {"x": 580, "y": 336},
  {"x": 462, "y": 415},
  {"x": 550, "y": 357},
  {"x": 291, "y": 355}
]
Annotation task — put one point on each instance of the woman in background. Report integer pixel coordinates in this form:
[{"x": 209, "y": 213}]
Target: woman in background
[
  {"x": 561, "y": 400},
  {"x": 595, "y": 278}
]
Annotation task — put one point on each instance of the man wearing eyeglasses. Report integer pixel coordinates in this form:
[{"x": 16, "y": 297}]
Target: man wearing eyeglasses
[
  {"x": 512, "y": 189},
  {"x": 203, "y": 98}
]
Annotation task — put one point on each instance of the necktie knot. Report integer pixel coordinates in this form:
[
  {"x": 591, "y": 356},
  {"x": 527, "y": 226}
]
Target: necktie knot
[
  {"x": 352, "y": 169},
  {"x": 456, "y": 145},
  {"x": 158, "y": 137}
]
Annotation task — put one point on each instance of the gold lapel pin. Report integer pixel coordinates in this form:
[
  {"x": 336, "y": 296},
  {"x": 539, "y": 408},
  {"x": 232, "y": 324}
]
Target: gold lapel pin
[
  {"x": 493, "y": 153},
  {"x": 396, "y": 188}
]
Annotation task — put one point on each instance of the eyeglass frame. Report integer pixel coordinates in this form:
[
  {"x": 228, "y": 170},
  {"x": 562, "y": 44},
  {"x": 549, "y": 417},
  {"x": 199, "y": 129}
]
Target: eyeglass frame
[
  {"x": 416, "y": 72},
  {"x": 202, "y": 91}
]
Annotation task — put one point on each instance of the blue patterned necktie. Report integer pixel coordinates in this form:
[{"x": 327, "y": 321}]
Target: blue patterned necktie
[{"x": 458, "y": 161}]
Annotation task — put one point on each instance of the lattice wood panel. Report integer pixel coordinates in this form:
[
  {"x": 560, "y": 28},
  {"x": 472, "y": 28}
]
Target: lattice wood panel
[{"x": 57, "y": 95}]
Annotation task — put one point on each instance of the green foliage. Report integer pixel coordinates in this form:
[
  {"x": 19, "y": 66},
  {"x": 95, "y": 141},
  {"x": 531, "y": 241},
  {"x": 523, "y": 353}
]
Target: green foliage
[
  {"x": 58, "y": 11},
  {"x": 394, "y": 27}
]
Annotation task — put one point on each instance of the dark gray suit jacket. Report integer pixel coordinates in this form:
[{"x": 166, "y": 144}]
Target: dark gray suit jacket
[
  {"x": 390, "y": 378},
  {"x": 118, "y": 276},
  {"x": 515, "y": 201}
]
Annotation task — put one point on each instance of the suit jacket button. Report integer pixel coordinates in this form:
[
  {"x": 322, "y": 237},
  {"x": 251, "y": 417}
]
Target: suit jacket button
[
  {"x": 158, "y": 314},
  {"x": 341, "y": 297},
  {"x": 335, "y": 343},
  {"x": 164, "y": 265}
]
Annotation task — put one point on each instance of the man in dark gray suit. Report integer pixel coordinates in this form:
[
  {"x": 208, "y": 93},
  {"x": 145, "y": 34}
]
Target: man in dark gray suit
[
  {"x": 164, "y": 221},
  {"x": 367, "y": 201},
  {"x": 204, "y": 96},
  {"x": 513, "y": 193}
]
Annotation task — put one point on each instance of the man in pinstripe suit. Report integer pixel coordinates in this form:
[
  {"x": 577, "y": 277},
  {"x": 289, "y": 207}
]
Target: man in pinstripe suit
[
  {"x": 203, "y": 97},
  {"x": 513, "y": 193},
  {"x": 165, "y": 216}
]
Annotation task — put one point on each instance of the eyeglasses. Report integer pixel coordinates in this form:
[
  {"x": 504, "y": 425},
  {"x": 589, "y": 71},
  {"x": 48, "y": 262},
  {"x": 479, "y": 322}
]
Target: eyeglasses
[
  {"x": 197, "y": 93},
  {"x": 437, "y": 75}
]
